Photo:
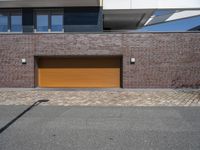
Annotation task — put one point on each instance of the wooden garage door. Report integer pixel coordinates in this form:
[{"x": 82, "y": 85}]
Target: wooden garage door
[{"x": 80, "y": 72}]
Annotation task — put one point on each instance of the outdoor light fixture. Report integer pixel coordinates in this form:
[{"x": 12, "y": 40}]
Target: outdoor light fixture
[
  {"x": 23, "y": 61},
  {"x": 132, "y": 60}
]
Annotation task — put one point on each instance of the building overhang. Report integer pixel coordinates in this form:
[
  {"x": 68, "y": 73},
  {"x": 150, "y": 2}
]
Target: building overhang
[
  {"x": 48, "y": 3},
  {"x": 126, "y": 19}
]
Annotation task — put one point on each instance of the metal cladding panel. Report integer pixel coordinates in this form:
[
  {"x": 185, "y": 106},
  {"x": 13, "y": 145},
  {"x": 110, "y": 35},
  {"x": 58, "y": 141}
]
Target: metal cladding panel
[
  {"x": 151, "y": 4},
  {"x": 47, "y": 3}
]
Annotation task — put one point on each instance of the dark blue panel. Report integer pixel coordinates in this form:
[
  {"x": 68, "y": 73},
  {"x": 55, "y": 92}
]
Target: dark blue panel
[
  {"x": 81, "y": 16},
  {"x": 83, "y": 19},
  {"x": 27, "y": 14},
  {"x": 27, "y": 19}
]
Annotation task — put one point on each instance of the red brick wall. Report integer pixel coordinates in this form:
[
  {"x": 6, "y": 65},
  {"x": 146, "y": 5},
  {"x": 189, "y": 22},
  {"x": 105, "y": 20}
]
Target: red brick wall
[
  {"x": 162, "y": 59},
  {"x": 12, "y": 49}
]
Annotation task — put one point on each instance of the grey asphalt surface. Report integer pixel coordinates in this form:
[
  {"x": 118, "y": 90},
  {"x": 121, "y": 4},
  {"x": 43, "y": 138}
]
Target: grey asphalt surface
[{"x": 100, "y": 128}]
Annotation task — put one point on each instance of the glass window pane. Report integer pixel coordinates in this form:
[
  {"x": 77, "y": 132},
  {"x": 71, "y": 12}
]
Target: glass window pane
[
  {"x": 3, "y": 23},
  {"x": 56, "y": 23},
  {"x": 42, "y": 23},
  {"x": 16, "y": 23},
  {"x": 180, "y": 25}
]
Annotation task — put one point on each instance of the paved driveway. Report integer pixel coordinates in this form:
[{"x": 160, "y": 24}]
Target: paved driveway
[
  {"x": 102, "y": 97},
  {"x": 99, "y": 128}
]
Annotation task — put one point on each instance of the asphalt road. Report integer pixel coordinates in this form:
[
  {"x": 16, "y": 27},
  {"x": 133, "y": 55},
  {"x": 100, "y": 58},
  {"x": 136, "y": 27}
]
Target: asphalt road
[{"x": 99, "y": 128}]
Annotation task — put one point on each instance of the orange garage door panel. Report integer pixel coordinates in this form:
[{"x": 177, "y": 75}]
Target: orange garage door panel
[{"x": 90, "y": 72}]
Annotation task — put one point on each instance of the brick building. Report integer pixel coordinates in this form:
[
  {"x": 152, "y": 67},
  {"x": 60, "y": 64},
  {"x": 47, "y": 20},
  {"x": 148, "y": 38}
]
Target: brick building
[{"x": 85, "y": 44}]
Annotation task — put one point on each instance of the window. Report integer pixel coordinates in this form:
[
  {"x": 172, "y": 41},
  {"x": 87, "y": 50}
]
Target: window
[
  {"x": 11, "y": 21},
  {"x": 16, "y": 23},
  {"x": 42, "y": 23},
  {"x": 49, "y": 20},
  {"x": 56, "y": 23},
  {"x": 3, "y": 23}
]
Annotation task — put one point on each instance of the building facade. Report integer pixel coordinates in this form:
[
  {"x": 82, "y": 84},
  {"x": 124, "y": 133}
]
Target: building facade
[{"x": 74, "y": 44}]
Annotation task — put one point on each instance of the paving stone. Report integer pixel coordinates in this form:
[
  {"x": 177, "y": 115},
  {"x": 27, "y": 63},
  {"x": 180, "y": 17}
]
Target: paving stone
[{"x": 107, "y": 97}]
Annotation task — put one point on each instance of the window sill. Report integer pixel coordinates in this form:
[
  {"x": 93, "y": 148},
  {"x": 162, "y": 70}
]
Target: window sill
[
  {"x": 48, "y": 32},
  {"x": 11, "y": 32}
]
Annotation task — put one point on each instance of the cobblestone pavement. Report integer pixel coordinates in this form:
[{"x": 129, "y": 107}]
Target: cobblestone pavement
[{"x": 106, "y": 97}]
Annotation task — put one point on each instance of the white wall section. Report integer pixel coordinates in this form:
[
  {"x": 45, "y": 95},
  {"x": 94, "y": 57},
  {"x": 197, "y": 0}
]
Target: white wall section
[
  {"x": 151, "y": 4},
  {"x": 117, "y": 4},
  {"x": 107, "y": 4}
]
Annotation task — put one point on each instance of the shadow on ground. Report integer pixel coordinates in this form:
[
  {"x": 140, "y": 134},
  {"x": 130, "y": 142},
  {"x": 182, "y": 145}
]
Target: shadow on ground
[{"x": 21, "y": 114}]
